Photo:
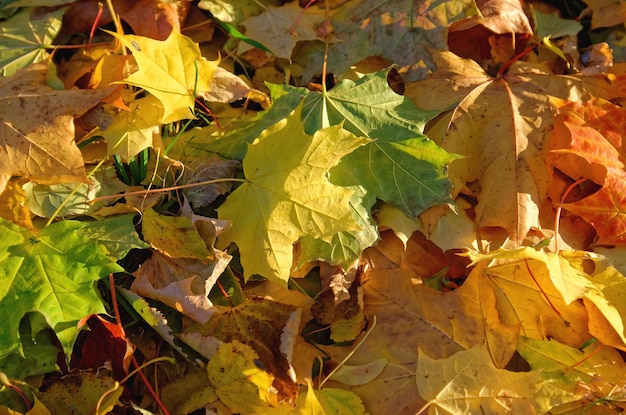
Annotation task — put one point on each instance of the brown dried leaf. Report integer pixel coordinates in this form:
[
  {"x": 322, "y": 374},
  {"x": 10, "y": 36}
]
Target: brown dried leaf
[{"x": 37, "y": 128}]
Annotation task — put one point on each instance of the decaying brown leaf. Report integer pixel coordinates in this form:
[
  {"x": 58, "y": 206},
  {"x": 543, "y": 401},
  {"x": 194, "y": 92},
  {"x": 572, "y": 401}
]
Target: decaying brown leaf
[{"x": 37, "y": 128}]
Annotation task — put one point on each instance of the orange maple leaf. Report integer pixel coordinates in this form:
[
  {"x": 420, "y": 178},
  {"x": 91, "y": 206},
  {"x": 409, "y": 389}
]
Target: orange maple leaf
[{"x": 587, "y": 142}]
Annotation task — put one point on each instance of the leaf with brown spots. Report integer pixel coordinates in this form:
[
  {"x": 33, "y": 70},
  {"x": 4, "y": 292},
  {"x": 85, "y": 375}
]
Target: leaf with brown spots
[{"x": 37, "y": 128}]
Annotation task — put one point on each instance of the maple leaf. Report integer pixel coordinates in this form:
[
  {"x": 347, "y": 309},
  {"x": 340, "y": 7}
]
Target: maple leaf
[
  {"x": 52, "y": 273},
  {"x": 526, "y": 287},
  {"x": 104, "y": 342},
  {"x": 401, "y": 166},
  {"x": 239, "y": 382},
  {"x": 569, "y": 366},
  {"x": 149, "y": 18},
  {"x": 399, "y": 32},
  {"x": 82, "y": 390},
  {"x": 329, "y": 401},
  {"x": 413, "y": 315},
  {"x": 38, "y": 355},
  {"x": 37, "y": 128},
  {"x": 467, "y": 383},
  {"x": 134, "y": 130},
  {"x": 508, "y": 175},
  {"x": 499, "y": 31},
  {"x": 172, "y": 70},
  {"x": 280, "y": 28},
  {"x": 287, "y": 195},
  {"x": 587, "y": 143},
  {"x": 25, "y": 37},
  {"x": 270, "y": 331}
]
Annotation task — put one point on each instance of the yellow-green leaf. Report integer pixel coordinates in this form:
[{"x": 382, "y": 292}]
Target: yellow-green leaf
[
  {"x": 287, "y": 195},
  {"x": 238, "y": 380},
  {"x": 174, "y": 236}
]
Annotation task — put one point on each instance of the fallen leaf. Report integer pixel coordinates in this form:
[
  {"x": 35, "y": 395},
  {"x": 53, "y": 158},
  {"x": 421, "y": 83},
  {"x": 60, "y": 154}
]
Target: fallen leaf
[
  {"x": 37, "y": 130},
  {"x": 606, "y": 14},
  {"x": 411, "y": 316},
  {"x": 393, "y": 218},
  {"x": 225, "y": 87},
  {"x": 155, "y": 319},
  {"x": 37, "y": 356},
  {"x": 115, "y": 235},
  {"x": 132, "y": 131},
  {"x": 209, "y": 168},
  {"x": 150, "y": 18},
  {"x": 239, "y": 381},
  {"x": 568, "y": 365},
  {"x": 399, "y": 32},
  {"x": 173, "y": 70},
  {"x": 80, "y": 391},
  {"x": 331, "y": 401},
  {"x": 360, "y": 374},
  {"x": 189, "y": 392},
  {"x": 508, "y": 176},
  {"x": 105, "y": 343},
  {"x": 498, "y": 32},
  {"x": 12, "y": 205},
  {"x": 268, "y": 220},
  {"x": 268, "y": 329},
  {"x": 467, "y": 383},
  {"x": 25, "y": 36},
  {"x": 38, "y": 264},
  {"x": 280, "y": 28},
  {"x": 175, "y": 236},
  {"x": 181, "y": 283},
  {"x": 587, "y": 143},
  {"x": 605, "y": 319},
  {"x": 523, "y": 287},
  {"x": 344, "y": 248}
]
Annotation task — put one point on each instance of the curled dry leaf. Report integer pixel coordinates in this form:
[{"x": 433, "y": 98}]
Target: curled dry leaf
[{"x": 209, "y": 168}]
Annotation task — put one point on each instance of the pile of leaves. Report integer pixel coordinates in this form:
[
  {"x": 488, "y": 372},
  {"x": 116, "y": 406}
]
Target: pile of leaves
[{"x": 339, "y": 207}]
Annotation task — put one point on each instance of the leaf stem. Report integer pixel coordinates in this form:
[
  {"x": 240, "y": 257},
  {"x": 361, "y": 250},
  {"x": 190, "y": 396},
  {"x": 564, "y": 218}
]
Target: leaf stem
[
  {"x": 557, "y": 217},
  {"x": 138, "y": 368},
  {"x": 167, "y": 189},
  {"x": 515, "y": 58},
  {"x": 343, "y": 362}
]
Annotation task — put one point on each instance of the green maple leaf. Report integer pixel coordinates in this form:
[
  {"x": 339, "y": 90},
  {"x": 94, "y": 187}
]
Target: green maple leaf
[
  {"x": 369, "y": 107},
  {"x": 410, "y": 174},
  {"x": 172, "y": 70},
  {"x": 24, "y": 38},
  {"x": 287, "y": 195},
  {"x": 52, "y": 273},
  {"x": 401, "y": 166}
]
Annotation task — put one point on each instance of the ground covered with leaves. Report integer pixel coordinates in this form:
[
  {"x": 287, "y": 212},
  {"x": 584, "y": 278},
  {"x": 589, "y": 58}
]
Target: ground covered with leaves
[{"x": 331, "y": 207}]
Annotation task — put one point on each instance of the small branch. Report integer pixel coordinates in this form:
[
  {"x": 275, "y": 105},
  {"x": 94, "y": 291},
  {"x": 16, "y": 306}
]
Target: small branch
[{"x": 166, "y": 189}]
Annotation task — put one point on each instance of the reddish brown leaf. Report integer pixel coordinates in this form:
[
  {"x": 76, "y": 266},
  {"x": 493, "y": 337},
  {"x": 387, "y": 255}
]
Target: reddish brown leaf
[
  {"x": 150, "y": 18},
  {"x": 105, "y": 342},
  {"x": 499, "y": 33}
]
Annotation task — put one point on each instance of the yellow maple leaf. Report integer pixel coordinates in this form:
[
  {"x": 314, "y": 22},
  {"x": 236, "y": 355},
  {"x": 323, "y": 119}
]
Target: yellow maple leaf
[
  {"x": 468, "y": 383},
  {"x": 287, "y": 195},
  {"x": 172, "y": 70}
]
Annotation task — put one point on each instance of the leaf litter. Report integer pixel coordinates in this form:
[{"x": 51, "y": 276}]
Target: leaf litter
[{"x": 192, "y": 223}]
